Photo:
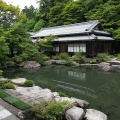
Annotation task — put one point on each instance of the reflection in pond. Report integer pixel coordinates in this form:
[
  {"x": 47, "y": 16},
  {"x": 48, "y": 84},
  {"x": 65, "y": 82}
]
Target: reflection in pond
[
  {"x": 100, "y": 89},
  {"x": 77, "y": 75}
]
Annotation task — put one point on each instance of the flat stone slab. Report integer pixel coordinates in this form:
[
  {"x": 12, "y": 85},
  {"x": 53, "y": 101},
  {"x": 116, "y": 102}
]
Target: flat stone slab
[
  {"x": 11, "y": 117},
  {"x": 18, "y": 80},
  {"x": 6, "y": 115},
  {"x": 3, "y": 79}
]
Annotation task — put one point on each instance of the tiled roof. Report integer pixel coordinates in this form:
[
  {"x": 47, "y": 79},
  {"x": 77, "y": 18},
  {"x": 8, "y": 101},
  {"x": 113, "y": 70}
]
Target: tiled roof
[
  {"x": 83, "y": 38},
  {"x": 83, "y": 27}
]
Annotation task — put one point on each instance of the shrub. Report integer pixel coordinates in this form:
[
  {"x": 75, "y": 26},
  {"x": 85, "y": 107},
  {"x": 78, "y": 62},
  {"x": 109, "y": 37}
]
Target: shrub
[
  {"x": 68, "y": 63},
  {"x": 56, "y": 57},
  {"x": 62, "y": 56},
  {"x": 41, "y": 58},
  {"x": 93, "y": 61},
  {"x": 1, "y": 72},
  {"x": 2, "y": 83},
  {"x": 45, "y": 58},
  {"x": 17, "y": 59},
  {"x": 79, "y": 57},
  {"x": 8, "y": 86},
  {"x": 28, "y": 83},
  {"x": 62, "y": 94},
  {"x": 118, "y": 56},
  {"x": 103, "y": 57},
  {"x": 51, "y": 111}
]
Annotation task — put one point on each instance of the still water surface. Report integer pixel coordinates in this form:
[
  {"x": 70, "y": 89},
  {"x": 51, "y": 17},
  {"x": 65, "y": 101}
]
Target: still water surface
[{"x": 100, "y": 89}]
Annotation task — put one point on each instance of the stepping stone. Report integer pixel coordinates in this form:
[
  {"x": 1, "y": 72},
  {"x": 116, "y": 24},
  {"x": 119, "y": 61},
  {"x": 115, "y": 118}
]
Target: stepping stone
[
  {"x": 6, "y": 115},
  {"x": 11, "y": 117}
]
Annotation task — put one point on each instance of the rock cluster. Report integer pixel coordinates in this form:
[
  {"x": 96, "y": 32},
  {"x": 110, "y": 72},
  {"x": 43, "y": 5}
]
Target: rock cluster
[
  {"x": 109, "y": 66},
  {"x": 77, "y": 112},
  {"x": 31, "y": 64},
  {"x": 32, "y": 96}
]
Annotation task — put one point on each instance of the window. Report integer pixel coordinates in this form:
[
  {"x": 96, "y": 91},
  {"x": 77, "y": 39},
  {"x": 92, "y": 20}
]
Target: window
[
  {"x": 70, "y": 47},
  {"x": 76, "y": 47},
  {"x": 83, "y": 47},
  {"x": 56, "y": 48}
]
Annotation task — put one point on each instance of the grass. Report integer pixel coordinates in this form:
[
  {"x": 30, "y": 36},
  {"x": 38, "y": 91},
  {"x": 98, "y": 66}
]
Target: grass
[{"x": 13, "y": 101}]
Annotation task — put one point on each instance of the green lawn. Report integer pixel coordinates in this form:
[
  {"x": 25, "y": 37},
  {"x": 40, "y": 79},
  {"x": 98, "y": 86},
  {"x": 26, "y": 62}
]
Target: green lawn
[{"x": 13, "y": 101}]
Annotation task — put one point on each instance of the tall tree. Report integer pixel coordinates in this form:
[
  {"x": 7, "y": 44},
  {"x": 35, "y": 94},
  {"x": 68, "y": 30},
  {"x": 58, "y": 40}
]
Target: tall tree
[
  {"x": 73, "y": 13},
  {"x": 55, "y": 15},
  {"x": 4, "y": 49},
  {"x": 108, "y": 14},
  {"x": 30, "y": 13},
  {"x": 10, "y": 14}
]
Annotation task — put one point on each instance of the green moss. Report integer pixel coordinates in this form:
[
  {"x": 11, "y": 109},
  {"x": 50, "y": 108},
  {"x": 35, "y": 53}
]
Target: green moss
[
  {"x": 8, "y": 86},
  {"x": 13, "y": 101},
  {"x": 28, "y": 83}
]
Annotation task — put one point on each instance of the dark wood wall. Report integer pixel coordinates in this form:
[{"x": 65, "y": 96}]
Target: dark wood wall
[{"x": 92, "y": 47}]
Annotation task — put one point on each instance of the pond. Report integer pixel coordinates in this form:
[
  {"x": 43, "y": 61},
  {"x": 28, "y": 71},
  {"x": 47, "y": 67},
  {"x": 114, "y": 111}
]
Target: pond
[{"x": 100, "y": 89}]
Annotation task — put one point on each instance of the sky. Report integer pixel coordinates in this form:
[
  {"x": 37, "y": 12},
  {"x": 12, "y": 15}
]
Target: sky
[{"x": 22, "y": 3}]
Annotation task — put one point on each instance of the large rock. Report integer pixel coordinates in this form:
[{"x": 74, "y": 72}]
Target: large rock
[
  {"x": 11, "y": 64},
  {"x": 3, "y": 79},
  {"x": 92, "y": 114},
  {"x": 114, "y": 62},
  {"x": 60, "y": 62},
  {"x": 78, "y": 102},
  {"x": 62, "y": 99},
  {"x": 75, "y": 113},
  {"x": 111, "y": 68},
  {"x": 47, "y": 63},
  {"x": 18, "y": 81},
  {"x": 103, "y": 64},
  {"x": 106, "y": 68},
  {"x": 37, "y": 93},
  {"x": 75, "y": 64},
  {"x": 31, "y": 64}
]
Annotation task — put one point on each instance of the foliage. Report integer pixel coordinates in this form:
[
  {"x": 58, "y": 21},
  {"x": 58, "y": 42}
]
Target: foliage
[
  {"x": 42, "y": 58},
  {"x": 93, "y": 61},
  {"x": 8, "y": 86},
  {"x": 68, "y": 63},
  {"x": 1, "y": 72},
  {"x": 10, "y": 15},
  {"x": 60, "y": 12},
  {"x": 62, "y": 94},
  {"x": 55, "y": 15},
  {"x": 39, "y": 25},
  {"x": 18, "y": 59},
  {"x": 2, "y": 84},
  {"x": 103, "y": 57},
  {"x": 51, "y": 111},
  {"x": 73, "y": 13},
  {"x": 46, "y": 43},
  {"x": 107, "y": 12},
  {"x": 13, "y": 101},
  {"x": 62, "y": 56},
  {"x": 118, "y": 56},
  {"x": 28, "y": 83},
  {"x": 4, "y": 49},
  {"x": 79, "y": 57}
]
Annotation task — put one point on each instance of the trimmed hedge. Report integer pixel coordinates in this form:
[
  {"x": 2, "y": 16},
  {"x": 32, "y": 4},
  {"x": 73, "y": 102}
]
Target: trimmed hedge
[{"x": 13, "y": 101}]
